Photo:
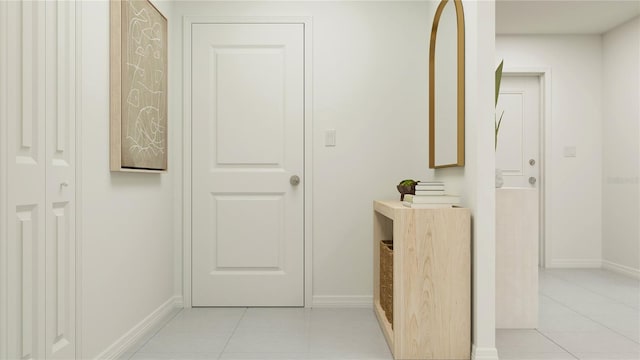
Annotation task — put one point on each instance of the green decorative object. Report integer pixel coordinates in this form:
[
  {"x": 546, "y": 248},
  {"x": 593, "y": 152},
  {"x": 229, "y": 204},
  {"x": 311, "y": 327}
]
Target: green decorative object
[
  {"x": 498, "y": 121},
  {"x": 407, "y": 187}
]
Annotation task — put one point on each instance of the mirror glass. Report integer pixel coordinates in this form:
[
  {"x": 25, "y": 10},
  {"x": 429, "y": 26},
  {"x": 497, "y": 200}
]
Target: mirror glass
[{"x": 446, "y": 113}]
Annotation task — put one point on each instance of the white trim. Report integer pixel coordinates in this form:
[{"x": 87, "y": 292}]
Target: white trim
[
  {"x": 544, "y": 224},
  {"x": 188, "y": 21},
  {"x": 483, "y": 353},
  {"x": 575, "y": 263},
  {"x": 78, "y": 180},
  {"x": 132, "y": 337},
  {"x": 178, "y": 301},
  {"x": 342, "y": 301},
  {"x": 186, "y": 162},
  {"x": 3, "y": 182},
  {"x": 308, "y": 161},
  {"x": 175, "y": 140},
  {"x": 621, "y": 269}
]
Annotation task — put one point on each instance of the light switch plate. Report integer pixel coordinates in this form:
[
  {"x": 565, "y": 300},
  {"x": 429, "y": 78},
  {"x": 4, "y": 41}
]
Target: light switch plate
[
  {"x": 569, "y": 151},
  {"x": 330, "y": 137}
]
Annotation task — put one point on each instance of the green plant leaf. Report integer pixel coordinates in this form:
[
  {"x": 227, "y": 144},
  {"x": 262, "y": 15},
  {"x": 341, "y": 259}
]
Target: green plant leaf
[
  {"x": 498, "y": 123},
  {"x": 498, "y": 80},
  {"x": 408, "y": 182}
]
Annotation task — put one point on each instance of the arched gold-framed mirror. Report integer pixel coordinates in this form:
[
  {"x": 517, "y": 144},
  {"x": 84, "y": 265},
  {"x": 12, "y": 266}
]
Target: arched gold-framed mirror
[{"x": 446, "y": 86}]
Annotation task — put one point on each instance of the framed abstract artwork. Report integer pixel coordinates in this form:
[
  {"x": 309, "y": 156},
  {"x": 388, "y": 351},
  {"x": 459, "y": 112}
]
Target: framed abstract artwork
[{"x": 138, "y": 87}]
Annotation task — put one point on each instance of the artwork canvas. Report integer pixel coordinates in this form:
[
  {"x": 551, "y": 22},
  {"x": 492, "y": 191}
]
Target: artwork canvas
[{"x": 138, "y": 87}]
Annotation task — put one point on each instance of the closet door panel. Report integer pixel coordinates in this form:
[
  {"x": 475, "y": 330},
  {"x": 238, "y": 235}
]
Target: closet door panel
[
  {"x": 38, "y": 157},
  {"x": 60, "y": 180},
  {"x": 26, "y": 164}
]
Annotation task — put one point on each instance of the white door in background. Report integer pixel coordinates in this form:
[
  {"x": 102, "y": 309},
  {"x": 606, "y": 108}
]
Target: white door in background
[
  {"x": 247, "y": 150},
  {"x": 518, "y": 153},
  {"x": 40, "y": 142}
]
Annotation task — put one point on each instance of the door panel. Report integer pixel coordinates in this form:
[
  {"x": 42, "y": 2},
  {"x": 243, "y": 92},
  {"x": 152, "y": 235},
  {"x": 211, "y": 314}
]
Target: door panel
[
  {"x": 60, "y": 180},
  {"x": 26, "y": 174},
  {"x": 249, "y": 86},
  {"x": 512, "y": 160},
  {"x": 25, "y": 317},
  {"x": 257, "y": 246},
  {"x": 247, "y": 141}
]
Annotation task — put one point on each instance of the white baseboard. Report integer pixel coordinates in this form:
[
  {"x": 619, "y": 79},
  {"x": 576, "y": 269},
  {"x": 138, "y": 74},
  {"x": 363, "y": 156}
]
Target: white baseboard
[
  {"x": 178, "y": 301},
  {"x": 133, "y": 336},
  {"x": 575, "y": 263},
  {"x": 342, "y": 301},
  {"x": 483, "y": 353},
  {"x": 621, "y": 269}
]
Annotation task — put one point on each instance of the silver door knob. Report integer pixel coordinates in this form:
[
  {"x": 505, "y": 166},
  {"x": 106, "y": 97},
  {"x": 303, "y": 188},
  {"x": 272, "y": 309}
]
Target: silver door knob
[
  {"x": 532, "y": 162},
  {"x": 294, "y": 180},
  {"x": 64, "y": 184},
  {"x": 532, "y": 180}
]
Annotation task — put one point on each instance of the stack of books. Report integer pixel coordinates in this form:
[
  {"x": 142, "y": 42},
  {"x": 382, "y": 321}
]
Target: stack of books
[{"x": 430, "y": 194}]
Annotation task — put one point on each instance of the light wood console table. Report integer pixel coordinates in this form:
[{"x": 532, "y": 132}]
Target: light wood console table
[{"x": 431, "y": 280}]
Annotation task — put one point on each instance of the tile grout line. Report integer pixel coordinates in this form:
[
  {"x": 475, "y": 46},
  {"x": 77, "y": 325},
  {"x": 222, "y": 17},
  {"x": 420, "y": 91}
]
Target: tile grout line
[
  {"x": 560, "y": 346},
  {"x": 586, "y": 316},
  {"x": 308, "y": 316},
  {"x": 580, "y": 315},
  {"x": 591, "y": 291},
  {"x": 232, "y": 333}
]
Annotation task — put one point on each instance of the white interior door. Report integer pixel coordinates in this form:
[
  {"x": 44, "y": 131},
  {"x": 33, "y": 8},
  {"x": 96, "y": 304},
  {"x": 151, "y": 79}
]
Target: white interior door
[
  {"x": 518, "y": 153},
  {"x": 247, "y": 145}
]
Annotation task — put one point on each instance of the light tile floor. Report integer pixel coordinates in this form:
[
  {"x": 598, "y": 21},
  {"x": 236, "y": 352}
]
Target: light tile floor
[
  {"x": 268, "y": 334},
  {"x": 586, "y": 314}
]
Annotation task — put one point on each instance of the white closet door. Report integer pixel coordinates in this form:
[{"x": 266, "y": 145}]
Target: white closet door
[
  {"x": 38, "y": 51},
  {"x": 60, "y": 180},
  {"x": 26, "y": 162}
]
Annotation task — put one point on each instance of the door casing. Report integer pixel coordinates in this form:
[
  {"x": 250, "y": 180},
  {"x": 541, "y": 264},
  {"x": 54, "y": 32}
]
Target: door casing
[
  {"x": 188, "y": 22},
  {"x": 3, "y": 180},
  {"x": 544, "y": 74}
]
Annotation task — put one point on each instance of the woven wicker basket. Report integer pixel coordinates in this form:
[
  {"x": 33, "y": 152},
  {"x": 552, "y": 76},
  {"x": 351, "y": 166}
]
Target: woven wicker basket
[{"x": 386, "y": 278}]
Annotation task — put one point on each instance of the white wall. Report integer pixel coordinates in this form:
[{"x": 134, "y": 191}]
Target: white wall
[
  {"x": 621, "y": 148},
  {"x": 127, "y": 233},
  {"x": 370, "y": 64},
  {"x": 476, "y": 180},
  {"x": 574, "y": 185}
]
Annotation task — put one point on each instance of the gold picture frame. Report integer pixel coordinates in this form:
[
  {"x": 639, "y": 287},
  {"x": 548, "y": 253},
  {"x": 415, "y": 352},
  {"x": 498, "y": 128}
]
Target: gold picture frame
[{"x": 460, "y": 86}]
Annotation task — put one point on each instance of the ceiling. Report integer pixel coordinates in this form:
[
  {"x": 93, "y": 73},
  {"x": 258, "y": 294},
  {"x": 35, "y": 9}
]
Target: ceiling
[{"x": 563, "y": 16}]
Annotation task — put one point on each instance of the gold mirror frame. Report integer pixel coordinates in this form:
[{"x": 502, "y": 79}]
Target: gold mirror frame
[{"x": 461, "y": 102}]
